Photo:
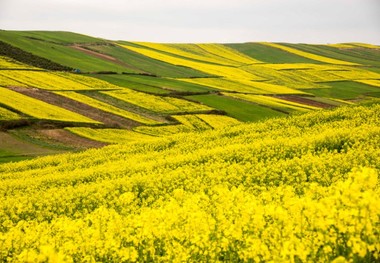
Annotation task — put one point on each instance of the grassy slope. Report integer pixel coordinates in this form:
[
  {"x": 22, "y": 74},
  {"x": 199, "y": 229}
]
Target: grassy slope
[
  {"x": 53, "y": 46},
  {"x": 363, "y": 56},
  {"x": 243, "y": 192},
  {"x": 344, "y": 90},
  {"x": 269, "y": 54},
  {"x": 241, "y": 110}
]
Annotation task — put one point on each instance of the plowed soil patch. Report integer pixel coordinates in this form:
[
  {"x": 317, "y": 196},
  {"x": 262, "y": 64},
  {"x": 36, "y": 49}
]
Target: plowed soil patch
[
  {"x": 69, "y": 139},
  {"x": 109, "y": 119}
]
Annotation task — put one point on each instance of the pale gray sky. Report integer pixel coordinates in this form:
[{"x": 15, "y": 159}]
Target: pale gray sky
[{"x": 297, "y": 21}]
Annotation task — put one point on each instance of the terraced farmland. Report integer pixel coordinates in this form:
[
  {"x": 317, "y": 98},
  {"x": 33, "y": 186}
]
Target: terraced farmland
[
  {"x": 251, "y": 152},
  {"x": 123, "y": 91}
]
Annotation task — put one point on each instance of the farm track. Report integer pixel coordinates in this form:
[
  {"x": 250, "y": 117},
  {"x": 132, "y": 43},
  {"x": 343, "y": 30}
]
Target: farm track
[{"x": 108, "y": 119}]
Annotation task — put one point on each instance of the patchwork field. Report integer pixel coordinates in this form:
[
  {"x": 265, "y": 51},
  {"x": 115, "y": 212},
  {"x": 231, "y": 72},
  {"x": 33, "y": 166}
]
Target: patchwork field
[
  {"x": 80, "y": 85},
  {"x": 251, "y": 152}
]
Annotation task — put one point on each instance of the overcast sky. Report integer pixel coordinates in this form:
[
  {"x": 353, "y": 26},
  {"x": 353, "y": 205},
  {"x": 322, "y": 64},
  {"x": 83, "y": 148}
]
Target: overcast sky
[{"x": 297, "y": 21}]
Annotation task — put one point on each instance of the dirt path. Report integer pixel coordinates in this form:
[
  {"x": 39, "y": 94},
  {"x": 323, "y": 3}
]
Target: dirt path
[
  {"x": 304, "y": 100},
  {"x": 109, "y": 119}
]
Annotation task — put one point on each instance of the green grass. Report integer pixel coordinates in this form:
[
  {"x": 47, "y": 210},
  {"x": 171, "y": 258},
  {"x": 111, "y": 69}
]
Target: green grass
[
  {"x": 58, "y": 53},
  {"x": 343, "y": 90},
  {"x": 241, "y": 110},
  {"x": 364, "y": 56},
  {"x": 269, "y": 54}
]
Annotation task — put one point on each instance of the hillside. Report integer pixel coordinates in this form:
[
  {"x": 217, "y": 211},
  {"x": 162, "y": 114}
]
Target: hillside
[
  {"x": 296, "y": 189},
  {"x": 62, "y": 91}
]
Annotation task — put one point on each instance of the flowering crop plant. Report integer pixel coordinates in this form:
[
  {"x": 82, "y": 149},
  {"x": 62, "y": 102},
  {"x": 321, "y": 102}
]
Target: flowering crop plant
[{"x": 297, "y": 189}]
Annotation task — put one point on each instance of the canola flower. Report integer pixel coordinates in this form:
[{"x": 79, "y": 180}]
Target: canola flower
[
  {"x": 299, "y": 189},
  {"x": 39, "y": 109},
  {"x": 156, "y": 103},
  {"x": 309, "y": 55},
  {"x": 106, "y": 107},
  {"x": 6, "y": 114}
]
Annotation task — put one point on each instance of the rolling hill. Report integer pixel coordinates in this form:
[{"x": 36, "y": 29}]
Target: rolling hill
[
  {"x": 63, "y": 91},
  {"x": 251, "y": 152}
]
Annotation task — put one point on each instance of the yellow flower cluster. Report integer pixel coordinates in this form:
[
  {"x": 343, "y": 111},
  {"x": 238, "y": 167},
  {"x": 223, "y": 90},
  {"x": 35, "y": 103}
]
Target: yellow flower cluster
[
  {"x": 51, "y": 80},
  {"x": 299, "y": 189},
  {"x": 209, "y": 53},
  {"x": 39, "y": 109},
  {"x": 309, "y": 55},
  {"x": 8, "y": 115},
  {"x": 113, "y": 136},
  {"x": 8, "y": 63},
  {"x": 372, "y": 82},
  {"x": 106, "y": 107},
  {"x": 157, "y": 103}
]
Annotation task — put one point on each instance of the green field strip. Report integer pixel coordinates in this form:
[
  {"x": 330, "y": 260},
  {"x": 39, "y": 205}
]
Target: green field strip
[
  {"x": 126, "y": 82},
  {"x": 245, "y": 86},
  {"x": 344, "y": 90},
  {"x": 58, "y": 53},
  {"x": 273, "y": 102},
  {"x": 211, "y": 69},
  {"x": 143, "y": 63},
  {"x": 313, "y": 56},
  {"x": 240, "y": 110},
  {"x": 269, "y": 54},
  {"x": 197, "y": 53},
  {"x": 363, "y": 56}
]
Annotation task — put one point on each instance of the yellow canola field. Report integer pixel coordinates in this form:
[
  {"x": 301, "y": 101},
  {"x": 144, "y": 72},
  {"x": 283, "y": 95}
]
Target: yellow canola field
[
  {"x": 39, "y": 109},
  {"x": 218, "y": 121},
  {"x": 8, "y": 63},
  {"x": 6, "y": 114},
  {"x": 357, "y": 74},
  {"x": 210, "y": 53},
  {"x": 244, "y": 86},
  {"x": 372, "y": 82},
  {"x": 217, "y": 70},
  {"x": 5, "y": 81},
  {"x": 112, "y": 136},
  {"x": 304, "y": 188},
  {"x": 105, "y": 107},
  {"x": 43, "y": 80},
  {"x": 157, "y": 103},
  {"x": 309, "y": 55}
]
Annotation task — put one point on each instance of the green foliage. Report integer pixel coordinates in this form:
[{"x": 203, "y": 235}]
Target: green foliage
[
  {"x": 269, "y": 54},
  {"x": 238, "y": 109},
  {"x": 344, "y": 90}
]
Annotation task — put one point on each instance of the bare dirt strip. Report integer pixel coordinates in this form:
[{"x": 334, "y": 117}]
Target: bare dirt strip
[
  {"x": 69, "y": 139},
  {"x": 108, "y": 119},
  {"x": 304, "y": 100}
]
